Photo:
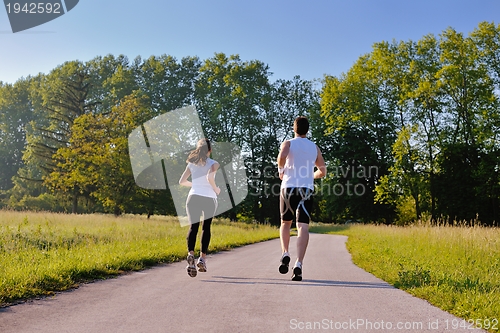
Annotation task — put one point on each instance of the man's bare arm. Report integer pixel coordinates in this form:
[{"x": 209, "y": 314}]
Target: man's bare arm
[
  {"x": 320, "y": 164},
  {"x": 284, "y": 150}
]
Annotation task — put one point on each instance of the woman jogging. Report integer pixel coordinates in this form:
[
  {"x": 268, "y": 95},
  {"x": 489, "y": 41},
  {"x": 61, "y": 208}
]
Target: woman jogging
[{"x": 201, "y": 200}]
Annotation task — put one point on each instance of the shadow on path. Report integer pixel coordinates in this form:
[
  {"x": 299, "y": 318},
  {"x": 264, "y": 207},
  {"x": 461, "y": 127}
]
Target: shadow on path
[{"x": 305, "y": 282}]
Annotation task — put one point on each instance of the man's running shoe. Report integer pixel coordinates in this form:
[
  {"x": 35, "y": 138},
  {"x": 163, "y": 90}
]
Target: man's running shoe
[
  {"x": 297, "y": 272},
  {"x": 285, "y": 260},
  {"x": 202, "y": 265},
  {"x": 191, "y": 268}
]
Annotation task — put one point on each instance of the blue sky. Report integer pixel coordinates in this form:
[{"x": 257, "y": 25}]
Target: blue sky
[{"x": 306, "y": 38}]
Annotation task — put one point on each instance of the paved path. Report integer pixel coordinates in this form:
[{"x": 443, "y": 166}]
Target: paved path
[{"x": 242, "y": 292}]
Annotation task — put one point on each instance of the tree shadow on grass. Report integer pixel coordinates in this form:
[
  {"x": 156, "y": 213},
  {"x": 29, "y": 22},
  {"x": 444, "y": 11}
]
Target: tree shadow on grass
[{"x": 322, "y": 228}]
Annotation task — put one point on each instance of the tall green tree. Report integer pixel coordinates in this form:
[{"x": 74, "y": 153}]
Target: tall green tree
[
  {"x": 169, "y": 83},
  {"x": 362, "y": 124},
  {"x": 15, "y": 113},
  {"x": 231, "y": 97},
  {"x": 97, "y": 159},
  {"x": 474, "y": 112},
  {"x": 64, "y": 97}
]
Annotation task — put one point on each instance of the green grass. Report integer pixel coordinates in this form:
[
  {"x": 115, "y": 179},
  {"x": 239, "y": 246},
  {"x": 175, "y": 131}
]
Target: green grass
[
  {"x": 41, "y": 253},
  {"x": 455, "y": 268}
]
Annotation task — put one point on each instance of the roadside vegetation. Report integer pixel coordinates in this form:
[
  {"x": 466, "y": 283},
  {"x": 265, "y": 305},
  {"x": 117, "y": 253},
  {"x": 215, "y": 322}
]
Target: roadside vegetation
[
  {"x": 41, "y": 253},
  {"x": 455, "y": 268}
]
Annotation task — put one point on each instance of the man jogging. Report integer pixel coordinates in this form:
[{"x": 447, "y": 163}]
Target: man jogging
[{"x": 296, "y": 162}]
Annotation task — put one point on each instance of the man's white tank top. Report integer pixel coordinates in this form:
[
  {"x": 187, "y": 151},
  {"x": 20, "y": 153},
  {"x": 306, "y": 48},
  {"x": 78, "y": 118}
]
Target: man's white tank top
[{"x": 299, "y": 165}]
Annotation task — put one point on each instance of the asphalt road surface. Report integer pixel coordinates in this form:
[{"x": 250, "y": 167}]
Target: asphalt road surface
[{"x": 241, "y": 292}]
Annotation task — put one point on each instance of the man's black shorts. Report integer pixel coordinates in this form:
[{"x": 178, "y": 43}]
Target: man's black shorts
[{"x": 296, "y": 201}]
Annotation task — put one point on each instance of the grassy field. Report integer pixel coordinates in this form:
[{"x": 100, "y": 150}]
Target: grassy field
[
  {"x": 455, "y": 268},
  {"x": 41, "y": 253}
]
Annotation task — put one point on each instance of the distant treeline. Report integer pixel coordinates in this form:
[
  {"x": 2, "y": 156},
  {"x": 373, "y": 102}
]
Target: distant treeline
[{"x": 409, "y": 132}]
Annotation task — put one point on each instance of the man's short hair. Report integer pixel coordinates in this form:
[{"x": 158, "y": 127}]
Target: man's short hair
[{"x": 301, "y": 125}]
